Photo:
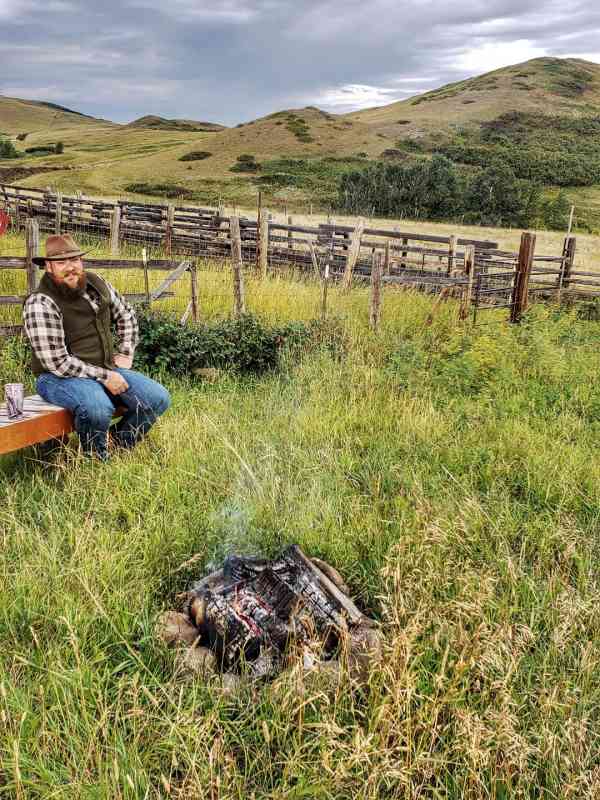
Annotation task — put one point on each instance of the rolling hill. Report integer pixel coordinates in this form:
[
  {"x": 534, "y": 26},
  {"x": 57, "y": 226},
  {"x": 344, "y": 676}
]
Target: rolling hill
[
  {"x": 542, "y": 117},
  {"x": 161, "y": 123},
  {"x": 27, "y": 116}
]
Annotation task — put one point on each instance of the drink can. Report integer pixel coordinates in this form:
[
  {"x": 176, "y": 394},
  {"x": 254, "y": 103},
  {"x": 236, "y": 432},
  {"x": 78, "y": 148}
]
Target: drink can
[{"x": 14, "y": 394}]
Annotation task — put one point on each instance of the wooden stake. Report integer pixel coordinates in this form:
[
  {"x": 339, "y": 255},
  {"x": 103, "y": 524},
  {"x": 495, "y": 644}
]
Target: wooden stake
[
  {"x": 564, "y": 278},
  {"x": 404, "y": 254},
  {"x": 353, "y": 254},
  {"x": 451, "y": 253},
  {"x": 115, "y": 224},
  {"x": 32, "y": 242},
  {"x": 325, "y": 285},
  {"x": 258, "y": 217},
  {"x": 237, "y": 266},
  {"x": 570, "y": 228},
  {"x": 58, "y": 214},
  {"x": 146, "y": 276},
  {"x": 375, "y": 304},
  {"x": 290, "y": 235},
  {"x": 465, "y": 303},
  {"x": 194, "y": 292},
  {"x": 264, "y": 244},
  {"x": 315, "y": 263},
  {"x": 169, "y": 230},
  {"x": 521, "y": 284},
  {"x": 388, "y": 261}
]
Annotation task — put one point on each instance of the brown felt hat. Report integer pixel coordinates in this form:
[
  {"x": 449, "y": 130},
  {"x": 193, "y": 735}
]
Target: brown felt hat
[{"x": 58, "y": 248}]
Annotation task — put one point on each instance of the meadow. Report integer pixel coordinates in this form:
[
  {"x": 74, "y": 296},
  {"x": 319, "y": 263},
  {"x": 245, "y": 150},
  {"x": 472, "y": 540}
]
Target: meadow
[{"x": 450, "y": 473}]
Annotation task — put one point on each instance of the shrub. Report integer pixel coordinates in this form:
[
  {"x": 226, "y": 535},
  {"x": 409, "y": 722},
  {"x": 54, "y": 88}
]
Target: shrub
[
  {"x": 21, "y": 137},
  {"x": 195, "y": 155},
  {"x": 40, "y": 150},
  {"x": 244, "y": 345},
  {"x": 8, "y": 150},
  {"x": 170, "y": 190},
  {"x": 245, "y": 163},
  {"x": 59, "y": 148}
]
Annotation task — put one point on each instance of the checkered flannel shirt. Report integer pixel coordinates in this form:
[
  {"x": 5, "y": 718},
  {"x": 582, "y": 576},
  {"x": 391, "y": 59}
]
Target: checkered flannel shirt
[{"x": 44, "y": 328}]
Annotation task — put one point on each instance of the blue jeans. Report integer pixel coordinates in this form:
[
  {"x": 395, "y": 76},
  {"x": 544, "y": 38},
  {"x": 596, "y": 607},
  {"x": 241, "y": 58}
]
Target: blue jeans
[{"x": 93, "y": 407}]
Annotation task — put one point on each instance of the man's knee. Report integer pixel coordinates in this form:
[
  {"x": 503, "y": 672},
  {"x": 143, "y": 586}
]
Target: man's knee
[
  {"x": 161, "y": 401},
  {"x": 96, "y": 416}
]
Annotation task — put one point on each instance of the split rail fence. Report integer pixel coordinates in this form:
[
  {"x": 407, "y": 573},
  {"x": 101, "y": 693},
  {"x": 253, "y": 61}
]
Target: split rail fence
[{"x": 476, "y": 271}]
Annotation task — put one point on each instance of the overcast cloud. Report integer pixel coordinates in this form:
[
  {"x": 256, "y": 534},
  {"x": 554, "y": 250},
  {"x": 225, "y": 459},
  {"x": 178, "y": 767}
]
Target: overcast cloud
[{"x": 234, "y": 60}]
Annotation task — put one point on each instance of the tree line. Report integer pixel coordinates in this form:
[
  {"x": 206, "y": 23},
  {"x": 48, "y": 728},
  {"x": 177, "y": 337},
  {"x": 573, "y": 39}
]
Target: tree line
[{"x": 437, "y": 189}]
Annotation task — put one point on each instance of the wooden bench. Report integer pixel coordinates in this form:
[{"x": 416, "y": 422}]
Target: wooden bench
[{"x": 41, "y": 422}]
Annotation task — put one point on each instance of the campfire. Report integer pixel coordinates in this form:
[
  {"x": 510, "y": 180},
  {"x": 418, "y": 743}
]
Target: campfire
[{"x": 253, "y": 616}]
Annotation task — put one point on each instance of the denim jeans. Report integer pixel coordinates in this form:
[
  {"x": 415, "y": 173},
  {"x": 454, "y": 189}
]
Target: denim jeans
[{"x": 93, "y": 407}]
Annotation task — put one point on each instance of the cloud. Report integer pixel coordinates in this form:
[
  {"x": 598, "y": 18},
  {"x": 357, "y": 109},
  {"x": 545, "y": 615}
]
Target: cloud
[{"x": 238, "y": 59}]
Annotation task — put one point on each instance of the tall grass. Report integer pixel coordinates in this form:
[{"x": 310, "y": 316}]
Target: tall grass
[{"x": 453, "y": 477}]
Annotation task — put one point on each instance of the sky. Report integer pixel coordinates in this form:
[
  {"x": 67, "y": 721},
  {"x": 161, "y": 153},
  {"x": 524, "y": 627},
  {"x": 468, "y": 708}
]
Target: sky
[{"x": 235, "y": 60}]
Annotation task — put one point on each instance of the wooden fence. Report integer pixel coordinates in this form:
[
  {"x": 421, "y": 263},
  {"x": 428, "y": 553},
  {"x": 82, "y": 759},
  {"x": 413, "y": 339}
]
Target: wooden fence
[{"x": 483, "y": 276}]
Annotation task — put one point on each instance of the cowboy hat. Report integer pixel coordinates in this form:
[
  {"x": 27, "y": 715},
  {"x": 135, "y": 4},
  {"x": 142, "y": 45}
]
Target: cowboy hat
[{"x": 59, "y": 248}]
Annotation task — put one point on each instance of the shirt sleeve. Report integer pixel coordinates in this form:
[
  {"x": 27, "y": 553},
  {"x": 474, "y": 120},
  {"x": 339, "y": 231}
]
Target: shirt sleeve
[
  {"x": 43, "y": 325},
  {"x": 124, "y": 317}
]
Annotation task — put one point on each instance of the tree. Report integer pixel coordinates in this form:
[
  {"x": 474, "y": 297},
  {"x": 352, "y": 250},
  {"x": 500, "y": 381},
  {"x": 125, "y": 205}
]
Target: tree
[{"x": 7, "y": 149}]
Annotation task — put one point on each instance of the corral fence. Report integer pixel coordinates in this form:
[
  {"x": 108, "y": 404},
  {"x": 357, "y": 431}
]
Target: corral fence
[{"x": 476, "y": 271}]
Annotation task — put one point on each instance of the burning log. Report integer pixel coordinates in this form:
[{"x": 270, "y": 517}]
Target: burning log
[{"x": 252, "y": 616}]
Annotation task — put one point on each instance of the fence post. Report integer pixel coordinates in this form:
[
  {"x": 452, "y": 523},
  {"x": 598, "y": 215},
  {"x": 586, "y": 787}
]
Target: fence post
[
  {"x": 264, "y": 243},
  {"x": 313, "y": 258},
  {"x": 32, "y": 241},
  {"x": 237, "y": 265},
  {"x": 194, "y": 291},
  {"x": 375, "y": 304},
  {"x": 58, "y": 214},
  {"x": 404, "y": 254},
  {"x": 146, "y": 276},
  {"x": 115, "y": 224},
  {"x": 465, "y": 302},
  {"x": 388, "y": 261},
  {"x": 290, "y": 241},
  {"x": 169, "y": 230},
  {"x": 353, "y": 253},
  {"x": 17, "y": 211},
  {"x": 568, "y": 261},
  {"x": 325, "y": 285},
  {"x": 521, "y": 284},
  {"x": 451, "y": 252}
]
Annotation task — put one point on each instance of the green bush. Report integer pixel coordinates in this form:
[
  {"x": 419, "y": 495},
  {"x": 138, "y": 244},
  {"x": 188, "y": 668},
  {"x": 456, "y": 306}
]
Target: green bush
[
  {"x": 242, "y": 345},
  {"x": 195, "y": 155},
  {"x": 8, "y": 150},
  {"x": 245, "y": 163},
  {"x": 40, "y": 150},
  {"x": 59, "y": 148},
  {"x": 170, "y": 190}
]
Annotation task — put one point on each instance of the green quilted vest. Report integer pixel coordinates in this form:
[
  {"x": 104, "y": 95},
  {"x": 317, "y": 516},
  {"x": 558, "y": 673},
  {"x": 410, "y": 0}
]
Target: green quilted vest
[{"x": 87, "y": 333}]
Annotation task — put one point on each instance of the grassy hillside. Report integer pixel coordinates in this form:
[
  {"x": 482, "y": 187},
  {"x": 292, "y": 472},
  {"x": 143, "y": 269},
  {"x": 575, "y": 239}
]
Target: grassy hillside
[
  {"x": 27, "y": 116},
  {"x": 539, "y": 117},
  {"x": 451, "y": 475},
  {"x": 548, "y": 86}
]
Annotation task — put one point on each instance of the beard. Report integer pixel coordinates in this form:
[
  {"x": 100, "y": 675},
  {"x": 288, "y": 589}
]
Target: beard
[{"x": 71, "y": 293}]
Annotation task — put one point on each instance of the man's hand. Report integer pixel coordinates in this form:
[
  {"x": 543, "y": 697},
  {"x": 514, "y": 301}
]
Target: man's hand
[
  {"x": 116, "y": 383},
  {"x": 122, "y": 361}
]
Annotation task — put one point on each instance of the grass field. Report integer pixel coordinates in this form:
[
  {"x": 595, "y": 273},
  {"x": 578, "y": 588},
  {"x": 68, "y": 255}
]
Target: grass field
[{"x": 451, "y": 474}]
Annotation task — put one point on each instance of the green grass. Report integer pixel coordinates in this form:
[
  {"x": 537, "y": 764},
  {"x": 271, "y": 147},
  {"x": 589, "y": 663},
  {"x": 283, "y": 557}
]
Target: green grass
[{"x": 453, "y": 477}]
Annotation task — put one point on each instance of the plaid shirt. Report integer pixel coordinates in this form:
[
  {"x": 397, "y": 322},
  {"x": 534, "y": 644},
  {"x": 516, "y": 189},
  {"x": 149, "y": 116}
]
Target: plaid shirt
[{"x": 44, "y": 328}]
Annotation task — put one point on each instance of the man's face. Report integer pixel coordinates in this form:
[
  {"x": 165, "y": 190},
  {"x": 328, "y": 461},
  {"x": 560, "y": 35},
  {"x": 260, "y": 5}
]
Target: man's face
[{"x": 68, "y": 272}]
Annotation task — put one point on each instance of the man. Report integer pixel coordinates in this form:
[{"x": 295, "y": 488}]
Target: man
[{"x": 68, "y": 322}]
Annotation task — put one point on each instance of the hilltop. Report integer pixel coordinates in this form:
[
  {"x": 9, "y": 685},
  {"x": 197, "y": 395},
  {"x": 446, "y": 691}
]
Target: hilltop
[
  {"x": 27, "y": 116},
  {"x": 163, "y": 124},
  {"x": 548, "y": 86}
]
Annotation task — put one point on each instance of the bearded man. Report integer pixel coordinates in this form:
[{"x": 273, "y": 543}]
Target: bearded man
[{"x": 68, "y": 322}]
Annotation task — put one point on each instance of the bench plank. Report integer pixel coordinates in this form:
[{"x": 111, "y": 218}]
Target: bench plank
[{"x": 41, "y": 421}]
